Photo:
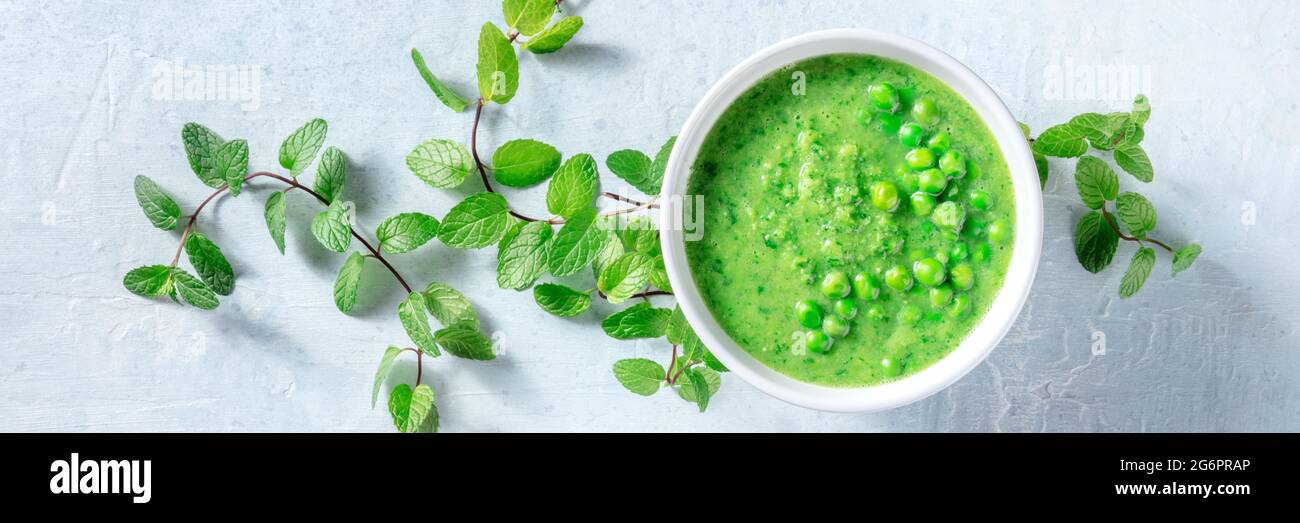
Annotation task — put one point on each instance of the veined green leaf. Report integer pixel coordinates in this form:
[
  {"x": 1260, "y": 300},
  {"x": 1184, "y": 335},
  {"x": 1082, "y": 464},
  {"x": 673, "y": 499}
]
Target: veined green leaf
[
  {"x": 443, "y": 164},
  {"x": 498, "y": 67},
  {"x": 445, "y": 94},
  {"x": 634, "y": 168},
  {"x": 275, "y": 218},
  {"x": 624, "y": 277},
  {"x": 574, "y": 186},
  {"x": 161, "y": 210},
  {"x": 523, "y": 163},
  {"x": 555, "y": 36},
  {"x": 1138, "y": 271},
  {"x": 1141, "y": 109},
  {"x": 698, "y": 384},
  {"x": 385, "y": 365},
  {"x": 560, "y": 300},
  {"x": 193, "y": 290},
  {"x": 448, "y": 305},
  {"x": 524, "y": 260},
  {"x": 1137, "y": 213},
  {"x": 1134, "y": 161},
  {"x": 475, "y": 222},
  {"x": 332, "y": 228},
  {"x": 528, "y": 16},
  {"x": 638, "y": 321},
  {"x": 1094, "y": 242},
  {"x": 300, "y": 148},
  {"x": 413, "y": 411},
  {"x": 659, "y": 166},
  {"x": 466, "y": 342},
  {"x": 1097, "y": 183},
  {"x": 210, "y": 263},
  {"x": 201, "y": 145},
  {"x": 149, "y": 281},
  {"x": 1185, "y": 256},
  {"x": 331, "y": 173},
  {"x": 411, "y": 313},
  {"x": 577, "y": 243},
  {"x": 406, "y": 232},
  {"x": 348, "y": 281},
  {"x": 640, "y": 375},
  {"x": 231, "y": 164},
  {"x": 1062, "y": 141}
]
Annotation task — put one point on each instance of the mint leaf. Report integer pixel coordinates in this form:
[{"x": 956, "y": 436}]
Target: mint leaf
[
  {"x": 300, "y": 148},
  {"x": 466, "y": 342},
  {"x": 610, "y": 252},
  {"x": 498, "y": 68},
  {"x": 1095, "y": 127},
  {"x": 210, "y": 263},
  {"x": 1138, "y": 271},
  {"x": 1062, "y": 141},
  {"x": 448, "y": 96},
  {"x": 638, "y": 321},
  {"x": 193, "y": 290},
  {"x": 697, "y": 385},
  {"x": 577, "y": 243},
  {"x": 411, "y": 313},
  {"x": 640, "y": 375},
  {"x": 1137, "y": 213},
  {"x": 1040, "y": 161},
  {"x": 678, "y": 329},
  {"x": 161, "y": 209},
  {"x": 1134, "y": 161},
  {"x": 1119, "y": 128},
  {"x": 625, "y": 277},
  {"x": 524, "y": 259},
  {"x": 574, "y": 186},
  {"x": 149, "y": 281},
  {"x": 448, "y": 305},
  {"x": 399, "y": 405},
  {"x": 443, "y": 164},
  {"x": 475, "y": 222},
  {"x": 332, "y": 228},
  {"x": 659, "y": 274},
  {"x": 1097, "y": 182},
  {"x": 385, "y": 365},
  {"x": 512, "y": 231},
  {"x": 555, "y": 36},
  {"x": 523, "y": 163},
  {"x": 275, "y": 218},
  {"x": 639, "y": 235},
  {"x": 1185, "y": 256},
  {"x": 1094, "y": 242},
  {"x": 406, "y": 232},
  {"x": 528, "y": 16},
  {"x": 201, "y": 145},
  {"x": 634, "y": 168},
  {"x": 413, "y": 411},
  {"x": 330, "y": 174},
  {"x": 349, "y": 279},
  {"x": 1141, "y": 109},
  {"x": 659, "y": 166},
  {"x": 560, "y": 300},
  {"x": 231, "y": 164}
]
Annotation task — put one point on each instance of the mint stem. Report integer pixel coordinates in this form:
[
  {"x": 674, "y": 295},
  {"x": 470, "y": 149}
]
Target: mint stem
[{"x": 1110, "y": 219}]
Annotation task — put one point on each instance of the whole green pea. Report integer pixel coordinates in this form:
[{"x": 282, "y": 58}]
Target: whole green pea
[
  {"x": 919, "y": 159},
  {"x": 907, "y": 181},
  {"x": 925, "y": 112},
  {"x": 845, "y": 308},
  {"x": 962, "y": 275},
  {"x": 910, "y": 314},
  {"x": 890, "y": 367},
  {"x": 876, "y": 312},
  {"x": 809, "y": 313},
  {"x": 898, "y": 278},
  {"x": 940, "y": 296},
  {"x": 883, "y": 96},
  {"x": 959, "y": 252},
  {"x": 940, "y": 142},
  {"x": 999, "y": 231},
  {"x": 922, "y": 203},
  {"x": 929, "y": 271},
  {"x": 865, "y": 286},
  {"x": 835, "y": 326},
  {"x": 960, "y": 306},
  {"x": 953, "y": 164},
  {"x": 911, "y": 134},
  {"x": 980, "y": 200},
  {"x": 884, "y": 196},
  {"x": 817, "y": 341},
  {"x": 932, "y": 181},
  {"x": 982, "y": 253},
  {"x": 836, "y": 285}
]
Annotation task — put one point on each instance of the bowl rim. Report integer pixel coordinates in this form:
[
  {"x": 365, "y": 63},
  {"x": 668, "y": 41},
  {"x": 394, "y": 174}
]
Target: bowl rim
[{"x": 1008, "y": 301}]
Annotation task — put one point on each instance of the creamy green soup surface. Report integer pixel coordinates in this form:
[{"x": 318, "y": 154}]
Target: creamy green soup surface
[{"x": 857, "y": 220}]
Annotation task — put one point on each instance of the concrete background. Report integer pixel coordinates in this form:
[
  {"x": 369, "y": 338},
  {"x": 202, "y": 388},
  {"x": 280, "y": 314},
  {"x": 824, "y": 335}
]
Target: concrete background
[{"x": 81, "y": 114}]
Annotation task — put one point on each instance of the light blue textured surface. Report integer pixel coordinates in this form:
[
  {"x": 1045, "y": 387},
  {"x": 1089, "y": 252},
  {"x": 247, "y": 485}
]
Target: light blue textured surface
[{"x": 80, "y": 115}]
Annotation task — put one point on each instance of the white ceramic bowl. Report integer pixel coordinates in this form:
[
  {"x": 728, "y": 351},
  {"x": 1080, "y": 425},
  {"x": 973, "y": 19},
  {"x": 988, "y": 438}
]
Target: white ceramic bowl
[{"x": 997, "y": 320}]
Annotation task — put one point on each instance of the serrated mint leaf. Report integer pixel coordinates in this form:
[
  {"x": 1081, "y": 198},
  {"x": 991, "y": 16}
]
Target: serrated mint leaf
[
  {"x": 445, "y": 94},
  {"x": 231, "y": 164},
  {"x": 210, "y": 263},
  {"x": 560, "y": 300},
  {"x": 1141, "y": 109},
  {"x": 1138, "y": 271},
  {"x": 149, "y": 281},
  {"x": 275, "y": 218},
  {"x": 640, "y": 375},
  {"x": 1094, "y": 242},
  {"x": 1040, "y": 162},
  {"x": 659, "y": 166},
  {"x": 512, "y": 231},
  {"x": 638, "y": 321},
  {"x": 193, "y": 290},
  {"x": 1136, "y": 212},
  {"x": 625, "y": 277},
  {"x": 331, "y": 172},
  {"x": 1096, "y": 181},
  {"x": 697, "y": 385},
  {"x": 332, "y": 228},
  {"x": 1185, "y": 256},
  {"x": 639, "y": 235},
  {"x": 348, "y": 281},
  {"x": 385, "y": 365},
  {"x": 524, "y": 259},
  {"x": 1095, "y": 127},
  {"x": 201, "y": 145},
  {"x": 1117, "y": 129},
  {"x": 659, "y": 274},
  {"x": 555, "y": 36},
  {"x": 406, "y": 232},
  {"x": 475, "y": 222},
  {"x": 300, "y": 148},
  {"x": 443, "y": 164},
  {"x": 577, "y": 243},
  {"x": 498, "y": 67},
  {"x": 523, "y": 163},
  {"x": 611, "y": 251},
  {"x": 634, "y": 168},
  {"x": 466, "y": 342},
  {"x": 528, "y": 16},
  {"x": 399, "y": 406},
  {"x": 574, "y": 186},
  {"x": 411, "y": 313},
  {"x": 161, "y": 209},
  {"x": 1134, "y": 161},
  {"x": 448, "y": 305},
  {"x": 1062, "y": 141},
  {"x": 413, "y": 410},
  {"x": 712, "y": 362},
  {"x": 678, "y": 330}
]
